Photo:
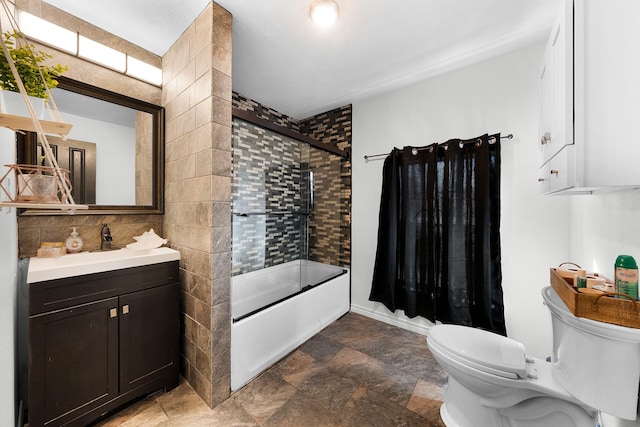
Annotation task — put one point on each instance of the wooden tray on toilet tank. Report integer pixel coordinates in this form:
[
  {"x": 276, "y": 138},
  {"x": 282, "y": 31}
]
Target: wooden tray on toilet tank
[{"x": 602, "y": 307}]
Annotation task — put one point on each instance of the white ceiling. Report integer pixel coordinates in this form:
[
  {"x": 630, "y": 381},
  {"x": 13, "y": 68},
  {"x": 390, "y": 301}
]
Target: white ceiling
[{"x": 283, "y": 61}]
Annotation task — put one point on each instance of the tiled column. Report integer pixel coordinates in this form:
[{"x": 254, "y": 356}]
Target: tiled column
[{"x": 197, "y": 96}]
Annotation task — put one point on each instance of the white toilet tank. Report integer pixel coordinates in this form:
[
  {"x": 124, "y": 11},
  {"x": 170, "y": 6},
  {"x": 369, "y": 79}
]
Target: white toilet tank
[{"x": 597, "y": 362}]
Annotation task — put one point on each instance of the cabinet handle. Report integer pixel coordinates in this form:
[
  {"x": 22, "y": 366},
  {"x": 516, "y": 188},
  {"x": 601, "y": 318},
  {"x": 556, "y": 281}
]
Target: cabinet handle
[
  {"x": 541, "y": 179},
  {"x": 554, "y": 171},
  {"x": 125, "y": 309},
  {"x": 546, "y": 138},
  {"x": 113, "y": 312}
]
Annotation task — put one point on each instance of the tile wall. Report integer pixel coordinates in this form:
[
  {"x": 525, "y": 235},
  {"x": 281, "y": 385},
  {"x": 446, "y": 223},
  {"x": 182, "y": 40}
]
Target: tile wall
[
  {"x": 197, "y": 96},
  {"x": 262, "y": 111},
  {"x": 56, "y": 228},
  {"x": 334, "y": 128},
  {"x": 255, "y": 153},
  {"x": 267, "y": 202}
]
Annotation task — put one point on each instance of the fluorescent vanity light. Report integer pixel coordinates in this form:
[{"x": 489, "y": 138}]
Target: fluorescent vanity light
[
  {"x": 324, "y": 12},
  {"x": 143, "y": 71},
  {"x": 75, "y": 44},
  {"x": 48, "y": 33},
  {"x": 101, "y": 54}
]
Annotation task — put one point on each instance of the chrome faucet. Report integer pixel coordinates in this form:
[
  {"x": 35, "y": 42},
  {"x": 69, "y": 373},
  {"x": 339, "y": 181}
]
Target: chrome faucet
[{"x": 105, "y": 245}]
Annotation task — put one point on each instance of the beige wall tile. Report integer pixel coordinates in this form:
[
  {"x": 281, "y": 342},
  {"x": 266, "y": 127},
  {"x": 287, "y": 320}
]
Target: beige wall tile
[
  {"x": 221, "y": 188},
  {"x": 221, "y": 60},
  {"x": 192, "y": 188},
  {"x": 221, "y": 85},
  {"x": 203, "y": 163},
  {"x": 221, "y": 136},
  {"x": 203, "y": 117},
  {"x": 201, "y": 89},
  {"x": 221, "y": 163},
  {"x": 204, "y": 60}
]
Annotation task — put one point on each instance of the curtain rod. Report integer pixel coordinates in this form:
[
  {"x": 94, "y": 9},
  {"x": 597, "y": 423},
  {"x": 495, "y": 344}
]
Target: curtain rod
[{"x": 415, "y": 150}]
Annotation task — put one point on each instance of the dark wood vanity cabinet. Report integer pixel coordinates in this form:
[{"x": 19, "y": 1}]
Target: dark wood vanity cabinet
[{"x": 101, "y": 340}]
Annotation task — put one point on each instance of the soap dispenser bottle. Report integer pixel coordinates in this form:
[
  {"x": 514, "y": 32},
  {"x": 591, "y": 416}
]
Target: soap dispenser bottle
[{"x": 74, "y": 242}]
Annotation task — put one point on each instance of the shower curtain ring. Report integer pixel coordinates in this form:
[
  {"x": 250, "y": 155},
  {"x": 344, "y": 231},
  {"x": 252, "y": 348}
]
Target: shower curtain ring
[{"x": 478, "y": 142}]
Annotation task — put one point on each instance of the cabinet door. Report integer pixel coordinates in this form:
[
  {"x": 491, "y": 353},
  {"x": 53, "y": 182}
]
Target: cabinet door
[
  {"x": 149, "y": 336},
  {"x": 73, "y": 362},
  {"x": 556, "y": 86},
  {"x": 546, "y": 106}
]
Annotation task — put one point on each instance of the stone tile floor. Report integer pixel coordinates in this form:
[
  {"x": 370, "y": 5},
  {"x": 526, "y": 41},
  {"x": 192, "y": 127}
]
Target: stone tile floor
[{"x": 356, "y": 372}]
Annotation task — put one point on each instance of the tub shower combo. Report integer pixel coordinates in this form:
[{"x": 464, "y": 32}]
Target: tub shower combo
[{"x": 287, "y": 283}]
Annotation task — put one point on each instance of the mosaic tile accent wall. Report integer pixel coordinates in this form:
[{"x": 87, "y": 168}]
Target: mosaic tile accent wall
[
  {"x": 266, "y": 198},
  {"x": 333, "y": 128},
  {"x": 325, "y": 219},
  {"x": 264, "y": 112},
  {"x": 324, "y": 234}
]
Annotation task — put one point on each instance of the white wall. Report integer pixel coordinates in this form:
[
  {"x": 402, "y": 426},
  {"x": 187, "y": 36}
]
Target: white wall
[
  {"x": 497, "y": 95},
  {"x": 8, "y": 291},
  {"x": 604, "y": 226}
]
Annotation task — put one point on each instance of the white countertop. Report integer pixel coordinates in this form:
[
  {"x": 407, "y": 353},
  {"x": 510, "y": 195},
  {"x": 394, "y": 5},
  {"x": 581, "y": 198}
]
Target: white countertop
[{"x": 41, "y": 269}]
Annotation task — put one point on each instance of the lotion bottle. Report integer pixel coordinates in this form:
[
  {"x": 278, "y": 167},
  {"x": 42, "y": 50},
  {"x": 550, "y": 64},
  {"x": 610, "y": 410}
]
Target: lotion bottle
[{"x": 626, "y": 276}]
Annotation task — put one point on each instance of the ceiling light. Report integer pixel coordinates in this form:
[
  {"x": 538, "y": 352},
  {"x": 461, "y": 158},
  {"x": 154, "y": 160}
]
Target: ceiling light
[{"x": 324, "y": 12}]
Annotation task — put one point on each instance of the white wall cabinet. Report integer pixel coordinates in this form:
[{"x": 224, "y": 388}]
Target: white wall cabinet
[{"x": 589, "y": 134}]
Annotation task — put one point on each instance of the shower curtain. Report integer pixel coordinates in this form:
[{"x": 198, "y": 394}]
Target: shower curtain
[{"x": 438, "y": 253}]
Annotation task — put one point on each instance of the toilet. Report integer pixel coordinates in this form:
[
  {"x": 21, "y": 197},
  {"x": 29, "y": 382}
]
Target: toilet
[{"x": 494, "y": 383}]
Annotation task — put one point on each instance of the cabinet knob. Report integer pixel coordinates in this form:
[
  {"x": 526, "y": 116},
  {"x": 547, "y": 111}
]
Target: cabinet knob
[
  {"x": 113, "y": 312},
  {"x": 554, "y": 171},
  {"x": 546, "y": 138},
  {"x": 541, "y": 179},
  {"x": 125, "y": 309}
]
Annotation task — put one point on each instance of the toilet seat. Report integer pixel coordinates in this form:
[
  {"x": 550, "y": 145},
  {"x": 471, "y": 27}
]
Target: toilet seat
[{"x": 482, "y": 350}]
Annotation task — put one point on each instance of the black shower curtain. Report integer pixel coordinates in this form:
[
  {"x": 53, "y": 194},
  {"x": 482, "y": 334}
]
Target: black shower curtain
[{"x": 438, "y": 250}]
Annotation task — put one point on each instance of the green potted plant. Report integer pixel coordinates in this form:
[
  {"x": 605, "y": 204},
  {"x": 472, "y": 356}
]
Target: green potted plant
[{"x": 35, "y": 75}]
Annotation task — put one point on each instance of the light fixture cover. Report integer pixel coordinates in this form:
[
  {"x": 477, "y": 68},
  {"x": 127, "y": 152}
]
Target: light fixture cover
[{"x": 324, "y": 12}]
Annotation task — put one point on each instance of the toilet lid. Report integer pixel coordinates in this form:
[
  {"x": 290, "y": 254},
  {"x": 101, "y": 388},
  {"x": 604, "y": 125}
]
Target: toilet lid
[{"x": 489, "y": 352}]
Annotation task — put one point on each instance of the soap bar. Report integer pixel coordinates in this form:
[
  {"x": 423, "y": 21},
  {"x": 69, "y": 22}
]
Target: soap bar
[{"x": 51, "y": 249}]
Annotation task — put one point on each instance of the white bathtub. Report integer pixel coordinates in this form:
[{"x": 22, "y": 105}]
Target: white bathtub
[{"x": 296, "y": 309}]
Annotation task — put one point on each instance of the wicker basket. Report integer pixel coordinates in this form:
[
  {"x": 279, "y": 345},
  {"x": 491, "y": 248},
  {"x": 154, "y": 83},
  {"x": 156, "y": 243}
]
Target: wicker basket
[{"x": 604, "y": 307}]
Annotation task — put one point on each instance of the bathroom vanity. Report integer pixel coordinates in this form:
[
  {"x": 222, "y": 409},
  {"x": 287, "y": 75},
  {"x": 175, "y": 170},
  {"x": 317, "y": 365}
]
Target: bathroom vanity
[{"x": 103, "y": 330}]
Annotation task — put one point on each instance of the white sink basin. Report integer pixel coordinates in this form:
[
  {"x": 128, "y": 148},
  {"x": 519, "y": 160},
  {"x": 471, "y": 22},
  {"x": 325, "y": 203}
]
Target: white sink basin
[{"x": 41, "y": 269}]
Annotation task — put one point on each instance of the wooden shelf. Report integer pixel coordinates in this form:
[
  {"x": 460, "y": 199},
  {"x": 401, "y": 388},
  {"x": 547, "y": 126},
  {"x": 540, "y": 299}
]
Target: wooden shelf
[
  {"x": 26, "y": 123},
  {"x": 52, "y": 206}
]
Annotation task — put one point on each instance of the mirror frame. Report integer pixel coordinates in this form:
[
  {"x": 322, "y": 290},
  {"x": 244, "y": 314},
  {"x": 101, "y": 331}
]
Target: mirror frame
[{"x": 26, "y": 150}]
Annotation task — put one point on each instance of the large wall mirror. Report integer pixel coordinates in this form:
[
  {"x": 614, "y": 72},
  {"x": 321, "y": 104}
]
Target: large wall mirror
[{"x": 114, "y": 152}]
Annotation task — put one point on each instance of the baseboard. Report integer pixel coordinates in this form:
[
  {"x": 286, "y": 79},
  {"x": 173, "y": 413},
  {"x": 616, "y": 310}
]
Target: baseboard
[{"x": 391, "y": 319}]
